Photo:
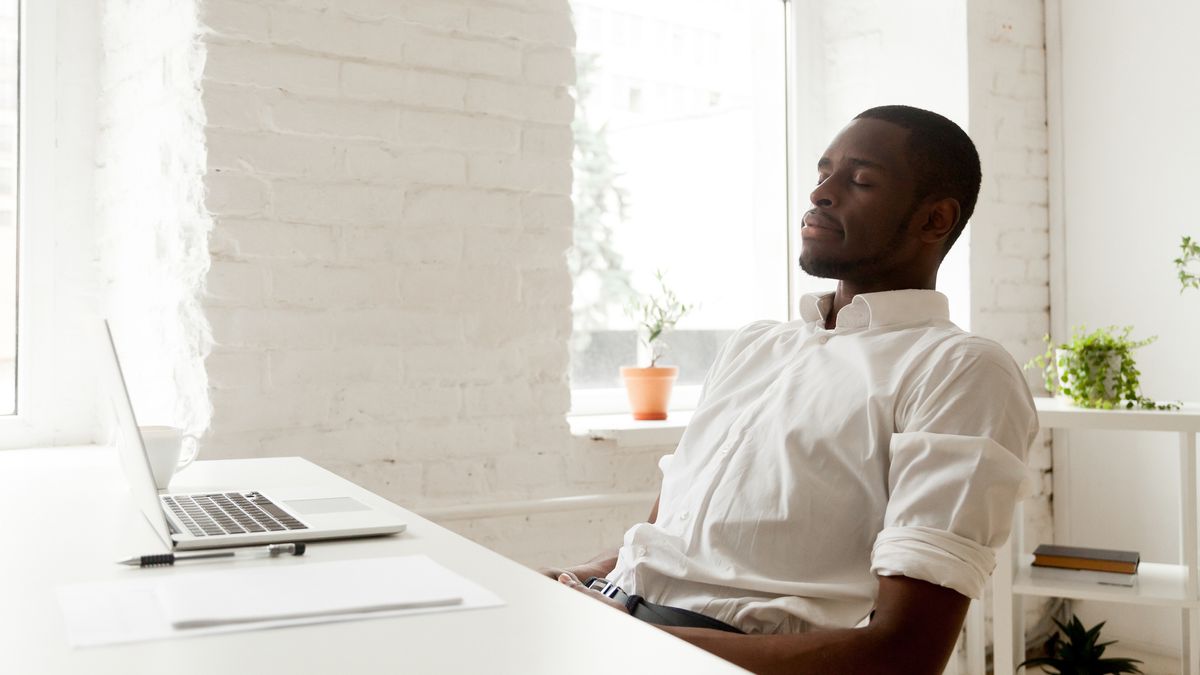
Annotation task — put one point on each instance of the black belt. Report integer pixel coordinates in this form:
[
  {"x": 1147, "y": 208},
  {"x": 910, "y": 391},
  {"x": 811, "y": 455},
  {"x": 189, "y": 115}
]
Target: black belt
[{"x": 660, "y": 615}]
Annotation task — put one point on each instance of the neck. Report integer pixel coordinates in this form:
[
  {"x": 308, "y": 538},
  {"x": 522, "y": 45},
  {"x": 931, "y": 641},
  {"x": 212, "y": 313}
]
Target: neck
[{"x": 848, "y": 288}]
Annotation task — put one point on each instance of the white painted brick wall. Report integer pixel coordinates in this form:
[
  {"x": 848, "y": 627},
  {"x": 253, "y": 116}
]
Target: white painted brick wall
[
  {"x": 389, "y": 295},
  {"x": 1010, "y": 258},
  {"x": 149, "y": 210}
]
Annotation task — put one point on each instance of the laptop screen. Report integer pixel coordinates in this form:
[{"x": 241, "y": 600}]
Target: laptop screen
[{"x": 129, "y": 440}]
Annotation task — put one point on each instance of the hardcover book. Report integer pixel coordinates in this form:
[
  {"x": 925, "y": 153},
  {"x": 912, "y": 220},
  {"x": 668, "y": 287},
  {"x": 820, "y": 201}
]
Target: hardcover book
[
  {"x": 1083, "y": 576},
  {"x": 1080, "y": 558}
]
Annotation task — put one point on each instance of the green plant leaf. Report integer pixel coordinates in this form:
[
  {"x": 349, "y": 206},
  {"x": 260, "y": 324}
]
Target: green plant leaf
[
  {"x": 656, "y": 315},
  {"x": 1076, "y": 650},
  {"x": 1096, "y": 369}
]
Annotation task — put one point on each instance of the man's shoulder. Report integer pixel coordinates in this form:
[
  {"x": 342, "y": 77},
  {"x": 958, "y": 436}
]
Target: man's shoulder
[
  {"x": 742, "y": 343},
  {"x": 755, "y": 330},
  {"x": 954, "y": 347}
]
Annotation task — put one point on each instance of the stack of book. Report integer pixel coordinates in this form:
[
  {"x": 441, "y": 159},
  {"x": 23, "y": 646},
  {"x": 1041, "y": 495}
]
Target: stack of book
[{"x": 1094, "y": 565}]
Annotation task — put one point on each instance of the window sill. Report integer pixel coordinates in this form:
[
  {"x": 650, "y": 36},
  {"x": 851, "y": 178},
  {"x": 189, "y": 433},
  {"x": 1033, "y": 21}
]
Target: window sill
[{"x": 628, "y": 432}]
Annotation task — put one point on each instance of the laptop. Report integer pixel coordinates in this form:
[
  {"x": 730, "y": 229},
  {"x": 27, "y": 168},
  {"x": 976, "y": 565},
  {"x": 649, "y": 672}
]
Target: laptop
[{"x": 236, "y": 517}]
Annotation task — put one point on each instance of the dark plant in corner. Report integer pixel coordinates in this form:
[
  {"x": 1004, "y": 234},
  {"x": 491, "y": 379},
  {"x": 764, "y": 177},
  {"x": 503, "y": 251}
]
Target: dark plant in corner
[
  {"x": 1096, "y": 369},
  {"x": 1189, "y": 253},
  {"x": 1075, "y": 650}
]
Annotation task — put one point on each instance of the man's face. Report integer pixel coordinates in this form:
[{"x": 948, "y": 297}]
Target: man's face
[{"x": 858, "y": 228}]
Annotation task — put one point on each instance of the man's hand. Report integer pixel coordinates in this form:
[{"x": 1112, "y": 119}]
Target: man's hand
[
  {"x": 571, "y": 581},
  {"x": 600, "y": 566},
  {"x": 552, "y": 572},
  {"x": 581, "y": 572}
]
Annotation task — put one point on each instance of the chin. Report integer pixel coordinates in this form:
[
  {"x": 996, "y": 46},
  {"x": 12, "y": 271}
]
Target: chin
[{"x": 824, "y": 268}]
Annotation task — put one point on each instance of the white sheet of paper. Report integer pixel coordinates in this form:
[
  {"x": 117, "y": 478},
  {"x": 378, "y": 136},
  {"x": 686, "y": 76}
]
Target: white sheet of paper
[
  {"x": 299, "y": 591},
  {"x": 195, "y": 602}
]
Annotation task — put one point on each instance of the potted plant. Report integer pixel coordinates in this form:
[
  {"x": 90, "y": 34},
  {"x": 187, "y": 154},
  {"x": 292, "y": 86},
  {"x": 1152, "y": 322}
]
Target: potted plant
[
  {"x": 1075, "y": 650},
  {"x": 1096, "y": 370},
  {"x": 649, "y": 387}
]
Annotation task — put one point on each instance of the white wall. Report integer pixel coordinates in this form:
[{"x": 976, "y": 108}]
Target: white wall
[
  {"x": 389, "y": 296},
  {"x": 1009, "y": 262},
  {"x": 151, "y": 223},
  {"x": 1130, "y": 140},
  {"x": 1009, "y": 252}
]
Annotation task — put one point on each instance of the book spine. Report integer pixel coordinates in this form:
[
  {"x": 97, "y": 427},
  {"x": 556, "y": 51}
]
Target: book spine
[{"x": 1118, "y": 566}]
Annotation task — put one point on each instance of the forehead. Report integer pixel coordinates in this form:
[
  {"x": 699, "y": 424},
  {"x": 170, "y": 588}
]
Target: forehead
[{"x": 872, "y": 141}]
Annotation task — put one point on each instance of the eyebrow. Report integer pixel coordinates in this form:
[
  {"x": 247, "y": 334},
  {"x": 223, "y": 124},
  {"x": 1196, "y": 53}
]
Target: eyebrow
[{"x": 825, "y": 163}]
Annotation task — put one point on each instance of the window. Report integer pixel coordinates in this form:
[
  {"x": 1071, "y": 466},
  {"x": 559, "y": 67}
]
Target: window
[
  {"x": 54, "y": 55},
  {"x": 680, "y": 166},
  {"x": 9, "y": 120}
]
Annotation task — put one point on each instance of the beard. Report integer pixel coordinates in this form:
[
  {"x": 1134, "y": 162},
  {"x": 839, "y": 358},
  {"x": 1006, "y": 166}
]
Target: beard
[{"x": 858, "y": 268}]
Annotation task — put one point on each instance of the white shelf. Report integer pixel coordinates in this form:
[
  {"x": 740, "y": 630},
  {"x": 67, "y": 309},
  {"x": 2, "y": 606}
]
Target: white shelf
[
  {"x": 628, "y": 432},
  {"x": 1160, "y": 585},
  {"x": 1056, "y": 414},
  {"x": 1157, "y": 584}
]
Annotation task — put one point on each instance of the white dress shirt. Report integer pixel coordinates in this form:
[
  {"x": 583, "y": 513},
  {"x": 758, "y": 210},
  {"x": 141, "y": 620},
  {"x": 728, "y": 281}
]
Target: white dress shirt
[{"x": 893, "y": 444}]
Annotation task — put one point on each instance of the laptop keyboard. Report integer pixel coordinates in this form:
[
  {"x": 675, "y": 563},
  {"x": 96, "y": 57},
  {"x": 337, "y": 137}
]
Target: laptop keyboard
[{"x": 206, "y": 515}]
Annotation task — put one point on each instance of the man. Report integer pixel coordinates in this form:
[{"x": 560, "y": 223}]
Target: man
[{"x": 863, "y": 461}]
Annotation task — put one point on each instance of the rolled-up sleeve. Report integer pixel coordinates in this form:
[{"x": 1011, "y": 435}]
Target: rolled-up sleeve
[{"x": 956, "y": 472}]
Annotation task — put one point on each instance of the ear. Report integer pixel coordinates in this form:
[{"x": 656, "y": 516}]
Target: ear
[{"x": 937, "y": 219}]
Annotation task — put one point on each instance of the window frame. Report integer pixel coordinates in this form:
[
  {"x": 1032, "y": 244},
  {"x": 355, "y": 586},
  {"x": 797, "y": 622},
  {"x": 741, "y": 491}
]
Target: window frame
[
  {"x": 613, "y": 400},
  {"x": 58, "y": 289},
  {"x": 32, "y": 423}
]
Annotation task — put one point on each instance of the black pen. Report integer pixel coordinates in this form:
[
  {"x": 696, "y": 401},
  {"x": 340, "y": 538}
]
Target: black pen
[{"x": 256, "y": 552}]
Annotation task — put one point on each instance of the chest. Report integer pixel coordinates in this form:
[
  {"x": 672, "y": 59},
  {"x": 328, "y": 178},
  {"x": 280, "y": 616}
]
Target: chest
[{"x": 805, "y": 390}]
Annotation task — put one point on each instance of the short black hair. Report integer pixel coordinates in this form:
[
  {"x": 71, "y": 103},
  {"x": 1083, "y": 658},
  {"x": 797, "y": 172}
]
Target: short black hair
[{"x": 942, "y": 156}]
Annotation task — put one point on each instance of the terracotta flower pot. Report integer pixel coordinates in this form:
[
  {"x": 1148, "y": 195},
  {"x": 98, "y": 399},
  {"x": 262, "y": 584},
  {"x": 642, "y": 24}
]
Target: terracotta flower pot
[{"x": 649, "y": 390}]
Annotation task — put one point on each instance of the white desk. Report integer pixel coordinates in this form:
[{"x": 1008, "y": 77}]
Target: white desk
[{"x": 543, "y": 627}]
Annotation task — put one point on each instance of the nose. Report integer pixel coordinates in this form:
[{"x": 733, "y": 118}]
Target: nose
[{"x": 823, "y": 195}]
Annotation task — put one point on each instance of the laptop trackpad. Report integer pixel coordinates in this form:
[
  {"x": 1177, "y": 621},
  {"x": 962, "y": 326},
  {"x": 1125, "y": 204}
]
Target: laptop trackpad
[{"x": 308, "y": 507}]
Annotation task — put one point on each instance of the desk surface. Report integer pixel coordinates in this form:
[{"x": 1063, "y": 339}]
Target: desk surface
[{"x": 84, "y": 520}]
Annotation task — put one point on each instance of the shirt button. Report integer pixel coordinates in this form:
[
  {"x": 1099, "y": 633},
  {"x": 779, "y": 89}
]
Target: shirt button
[
  {"x": 823, "y": 339},
  {"x": 683, "y": 516}
]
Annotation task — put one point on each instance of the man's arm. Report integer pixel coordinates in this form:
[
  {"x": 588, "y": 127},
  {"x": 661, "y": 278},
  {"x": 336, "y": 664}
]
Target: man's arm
[
  {"x": 912, "y": 633},
  {"x": 599, "y": 566}
]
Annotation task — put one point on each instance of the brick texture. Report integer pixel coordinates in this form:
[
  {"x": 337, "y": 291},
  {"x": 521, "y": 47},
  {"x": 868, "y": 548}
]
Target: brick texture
[
  {"x": 390, "y": 183},
  {"x": 150, "y": 215},
  {"x": 1010, "y": 258}
]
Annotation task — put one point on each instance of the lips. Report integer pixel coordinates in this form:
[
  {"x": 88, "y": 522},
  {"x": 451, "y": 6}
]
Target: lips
[{"x": 820, "y": 221}]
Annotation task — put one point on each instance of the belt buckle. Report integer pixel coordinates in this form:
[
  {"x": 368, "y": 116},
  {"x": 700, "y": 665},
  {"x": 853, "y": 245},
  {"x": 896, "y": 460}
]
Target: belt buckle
[{"x": 606, "y": 588}]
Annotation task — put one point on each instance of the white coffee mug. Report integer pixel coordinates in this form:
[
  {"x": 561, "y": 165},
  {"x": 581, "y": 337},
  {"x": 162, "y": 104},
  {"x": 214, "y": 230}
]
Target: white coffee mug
[{"x": 164, "y": 447}]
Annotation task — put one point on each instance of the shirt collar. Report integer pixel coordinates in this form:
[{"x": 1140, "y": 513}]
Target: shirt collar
[{"x": 872, "y": 310}]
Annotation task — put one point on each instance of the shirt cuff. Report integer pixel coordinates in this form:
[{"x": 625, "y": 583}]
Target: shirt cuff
[{"x": 936, "y": 556}]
